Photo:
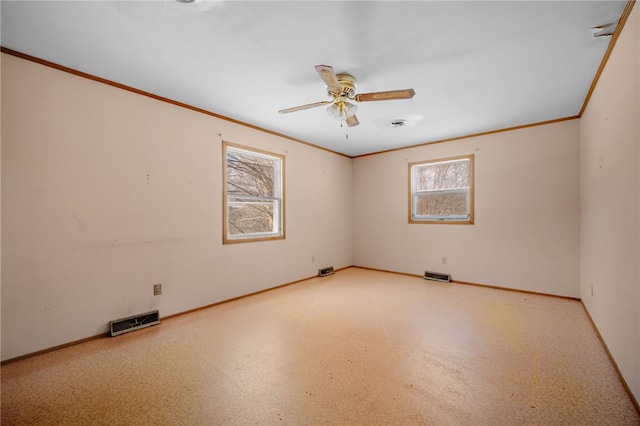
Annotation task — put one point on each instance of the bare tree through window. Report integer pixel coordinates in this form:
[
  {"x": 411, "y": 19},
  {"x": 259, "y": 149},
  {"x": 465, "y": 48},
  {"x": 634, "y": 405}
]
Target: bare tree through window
[
  {"x": 441, "y": 190},
  {"x": 253, "y": 193}
]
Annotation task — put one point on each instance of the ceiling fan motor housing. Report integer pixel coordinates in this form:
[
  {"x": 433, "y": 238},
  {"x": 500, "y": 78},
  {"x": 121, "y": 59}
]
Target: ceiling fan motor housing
[{"x": 348, "y": 84}]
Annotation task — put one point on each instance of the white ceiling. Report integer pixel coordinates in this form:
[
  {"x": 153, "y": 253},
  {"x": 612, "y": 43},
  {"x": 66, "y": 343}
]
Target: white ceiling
[{"x": 475, "y": 66}]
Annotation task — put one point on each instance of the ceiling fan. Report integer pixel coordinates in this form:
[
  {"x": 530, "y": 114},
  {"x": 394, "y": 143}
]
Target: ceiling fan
[{"x": 341, "y": 88}]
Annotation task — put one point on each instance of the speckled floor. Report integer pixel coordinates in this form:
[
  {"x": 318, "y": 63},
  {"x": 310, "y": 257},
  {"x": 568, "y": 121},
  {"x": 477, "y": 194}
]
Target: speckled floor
[{"x": 357, "y": 348}]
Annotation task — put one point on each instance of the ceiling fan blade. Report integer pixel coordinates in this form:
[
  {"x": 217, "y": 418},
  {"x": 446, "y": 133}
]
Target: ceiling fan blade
[
  {"x": 330, "y": 78},
  {"x": 303, "y": 107},
  {"x": 352, "y": 121},
  {"x": 386, "y": 96}
]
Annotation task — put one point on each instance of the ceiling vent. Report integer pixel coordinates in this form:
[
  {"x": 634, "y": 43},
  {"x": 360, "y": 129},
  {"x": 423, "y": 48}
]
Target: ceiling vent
[
  {"x": 604, "y": 30},
  {"x": 398, "y": 123}
]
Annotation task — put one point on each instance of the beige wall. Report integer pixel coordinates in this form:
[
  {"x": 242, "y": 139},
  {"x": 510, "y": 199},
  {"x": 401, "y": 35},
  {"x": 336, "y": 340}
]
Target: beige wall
[
  {"x": 610, "y": 206},
  {"x": 106, "y": 192},
  {"x": 526, "y": 231}
]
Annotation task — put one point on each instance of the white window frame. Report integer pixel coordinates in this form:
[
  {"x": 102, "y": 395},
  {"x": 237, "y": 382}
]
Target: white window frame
[
  {"x": 445, "y": 219},
  {"x": 277, "y": 200}
]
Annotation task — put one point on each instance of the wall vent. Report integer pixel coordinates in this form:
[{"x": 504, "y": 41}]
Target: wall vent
[
  {"x": 326, "y": 271},
  {"x": 135, "y": 322},
  {"x": 437, "y": 276}
]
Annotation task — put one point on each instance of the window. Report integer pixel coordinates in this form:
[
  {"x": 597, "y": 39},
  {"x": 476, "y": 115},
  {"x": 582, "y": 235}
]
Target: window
[
  {"x": 253, "y": 194},
  {"x": 441, "y": 191}
]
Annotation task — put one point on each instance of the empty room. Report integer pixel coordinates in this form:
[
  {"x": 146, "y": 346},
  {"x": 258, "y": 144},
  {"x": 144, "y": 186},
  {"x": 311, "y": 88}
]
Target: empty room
[{"x": 320, "y": 213}]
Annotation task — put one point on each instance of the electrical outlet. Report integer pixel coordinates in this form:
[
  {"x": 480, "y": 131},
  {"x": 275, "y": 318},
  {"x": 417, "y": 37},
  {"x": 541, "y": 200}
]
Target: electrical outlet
[
  {"x": 444, "y": 260},
  {"x": 157, "y": 289}
]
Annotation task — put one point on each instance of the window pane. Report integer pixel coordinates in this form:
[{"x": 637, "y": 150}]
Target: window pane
[
  {"x": 250, "y": 218},
  {"x": 249, "y": 175},
  {"x": 447, "y": 175},
  {"x": 442, "y": 204}
]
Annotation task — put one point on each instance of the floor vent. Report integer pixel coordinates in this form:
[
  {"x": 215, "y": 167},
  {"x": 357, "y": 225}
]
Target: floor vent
[
  {"x": 437, "y": 276},
  {"x": 125, "y": 325},
  {"x": 326, "y": 271}
]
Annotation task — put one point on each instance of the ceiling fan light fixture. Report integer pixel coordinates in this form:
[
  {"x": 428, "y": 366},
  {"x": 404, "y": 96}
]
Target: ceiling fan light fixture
[
  {"x": 341, "y": 110},
  {"x": 350, "y": 109},
  {"x": 334, "y": 111}
]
